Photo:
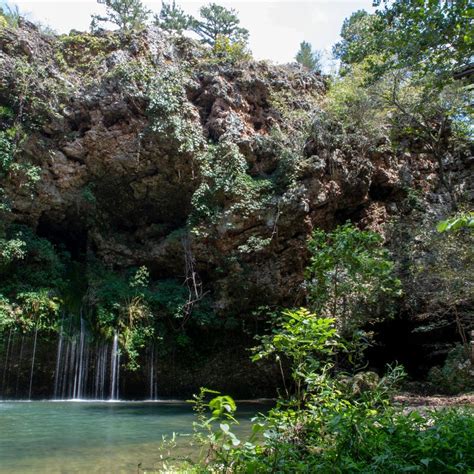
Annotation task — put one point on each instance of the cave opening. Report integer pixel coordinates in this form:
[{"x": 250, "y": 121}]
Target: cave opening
[{"x": 69, "y": 234}]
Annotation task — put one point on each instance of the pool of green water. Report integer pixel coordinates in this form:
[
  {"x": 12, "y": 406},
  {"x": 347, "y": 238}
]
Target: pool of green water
[{"x": 102, "y": 437}]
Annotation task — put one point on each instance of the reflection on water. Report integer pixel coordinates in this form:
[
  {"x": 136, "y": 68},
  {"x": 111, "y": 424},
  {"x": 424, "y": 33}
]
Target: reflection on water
[{"x": 84, "y": 437}]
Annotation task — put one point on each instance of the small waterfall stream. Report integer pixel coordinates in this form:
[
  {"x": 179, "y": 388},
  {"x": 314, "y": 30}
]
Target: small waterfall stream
[
  {"x": 81, "y": 365},
  {"x": 115, "y": 372},
  {"x": 18, "y": 372},
  {"x": 152, "y": 375},
  {"x": 58, "y": 359},
  {"x": 85, "y": 369},
  {"x": 33, "y": 362},
  {"x": 5, "y": 366}
]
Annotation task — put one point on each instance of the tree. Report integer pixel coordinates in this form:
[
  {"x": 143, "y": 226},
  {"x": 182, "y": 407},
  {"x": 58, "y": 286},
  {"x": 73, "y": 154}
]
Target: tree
[
  {"x": 173, "y": 18},
  {"x": 126, "y": 14},
  {"x": 308, "y": 58},
  {"x": 358, "y": 38},
  {"x": 428, "y": 35},
  {"x": 424, "y": 36},
  {"x": 409, "y": 54},
  {"x": 219, "y": 21},
  {"x": 350, "y": 278}
]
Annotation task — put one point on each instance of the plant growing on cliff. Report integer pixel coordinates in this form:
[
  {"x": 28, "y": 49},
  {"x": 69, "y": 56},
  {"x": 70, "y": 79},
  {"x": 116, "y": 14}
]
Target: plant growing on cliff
[
  {"x": 226, "y": 186},
  {"x": 308, "y": 58},
  {"x": 172, "y": 18},
  {"x": 226, "y": 51},
  {"x": 10, "y": 16},
  {"x": 411, "y": 57},
  {"x": 350, "y": 278},
  {"x": 219, "y": 21},
  {"x": 462, "y": 220},
  {"x": 171, "y": 115},
  {"x": 125, "y": 14}
]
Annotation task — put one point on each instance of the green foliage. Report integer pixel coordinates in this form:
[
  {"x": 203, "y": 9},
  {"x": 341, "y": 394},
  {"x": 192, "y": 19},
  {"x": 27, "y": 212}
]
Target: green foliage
[
  {"x": 40, "y": 262},
  {"x": 350, "y": 278},
  {"x": 9, "y": 16},
  {"x": 125, "y": 14},
  {"x": 226, "y": 187},
  {"x": 12, "y": 167},
  {"x": 438, "y": 276},
  {"x": 84, "y": 51},
  {"x": 423, "y": 36},
  {"x": 305, "y": 340},
  {"x": 456, "y": 374},
  {"x": 308, "y": 58},
  {"x": 7, "y": 150},
  {"x": 225, "y": 51},
  {"x": 354, "y": 117},
  {"x": 463, "y": 220},
  {"x": 32, "y": 277},
  {"x": 347, "y": 424},
  {"x": 359, "y": 40},
  {"x": 121, "y": 306},
  {"x": 217, "y": 442},
  {"x": 426, "y": 36},
  {"x": 171, "y": 115},
  {"x": 172, "y": 18},
  {"x": 405, "y": 59},
  {"x": 219, "y": 21}
]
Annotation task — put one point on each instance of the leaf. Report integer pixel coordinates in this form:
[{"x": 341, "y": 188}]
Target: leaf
[{"x": 225, "y": 428}]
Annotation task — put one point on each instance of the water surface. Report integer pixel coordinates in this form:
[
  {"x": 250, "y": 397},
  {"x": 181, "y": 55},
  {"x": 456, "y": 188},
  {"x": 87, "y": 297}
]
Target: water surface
[{"x": 86, "y": 437}]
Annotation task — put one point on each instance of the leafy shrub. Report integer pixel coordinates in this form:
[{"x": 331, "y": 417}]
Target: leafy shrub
[
  {"x": 227, "y": 52},
  {"x": 345, "y": 425},
  {"x": 226, "y": 186},
  {"x": 305, "y": 340},
  {"x": 170, "y": 113},
  {"x": 456, "y": 375},
  {"x": 351, "y": 278}
]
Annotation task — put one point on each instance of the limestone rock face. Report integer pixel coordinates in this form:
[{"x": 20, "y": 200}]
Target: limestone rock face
[{"x": 124, "y": 130}]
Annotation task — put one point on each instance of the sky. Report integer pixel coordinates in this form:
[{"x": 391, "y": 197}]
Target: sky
[{"x": 277, "y": 27}]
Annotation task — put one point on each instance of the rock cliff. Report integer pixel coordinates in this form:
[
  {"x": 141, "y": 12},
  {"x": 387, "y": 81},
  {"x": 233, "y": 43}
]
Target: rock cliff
[{"x": 150, "y": 153}]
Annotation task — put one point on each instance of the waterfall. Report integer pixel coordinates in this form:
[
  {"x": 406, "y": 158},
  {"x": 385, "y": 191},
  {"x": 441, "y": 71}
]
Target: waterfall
[
  {"x": 5, "y": 367},
  {"x": 18, "y": 373},
  {"x": 115, "y": 369},
  {"x": 33, "y": 362},
  {"x": 84, "y": 367},
  {"x": 57, "y": 374},
  {"x": 152, "y": 376},
  {"x": 100, "y": 371},
  {"x": 84, "y": 370},
  {"x": 81, "y": 364}
]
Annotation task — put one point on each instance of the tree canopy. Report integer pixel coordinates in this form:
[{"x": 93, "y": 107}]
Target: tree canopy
[
  {"x": 172, "y": 18},
  {"x": 125, "y": 14},
  {"x": 219, "y": 21},
  {"x": 427, "y": 36},
  {"x": 308, "y": 58}
]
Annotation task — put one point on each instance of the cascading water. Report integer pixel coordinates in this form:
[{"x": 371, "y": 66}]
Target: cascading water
[
  {"x": 18, "y": 372},
  {"x": 152, "y": 375},
  {"x": 33, "y": 363},
  {"x": 85, "y": 369},
  {"x": 58, "y": 359},
  {"x": 5, "y": 367},
  {"x": 83, "y": 365},
  {"x": 115, "y": 372}
]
